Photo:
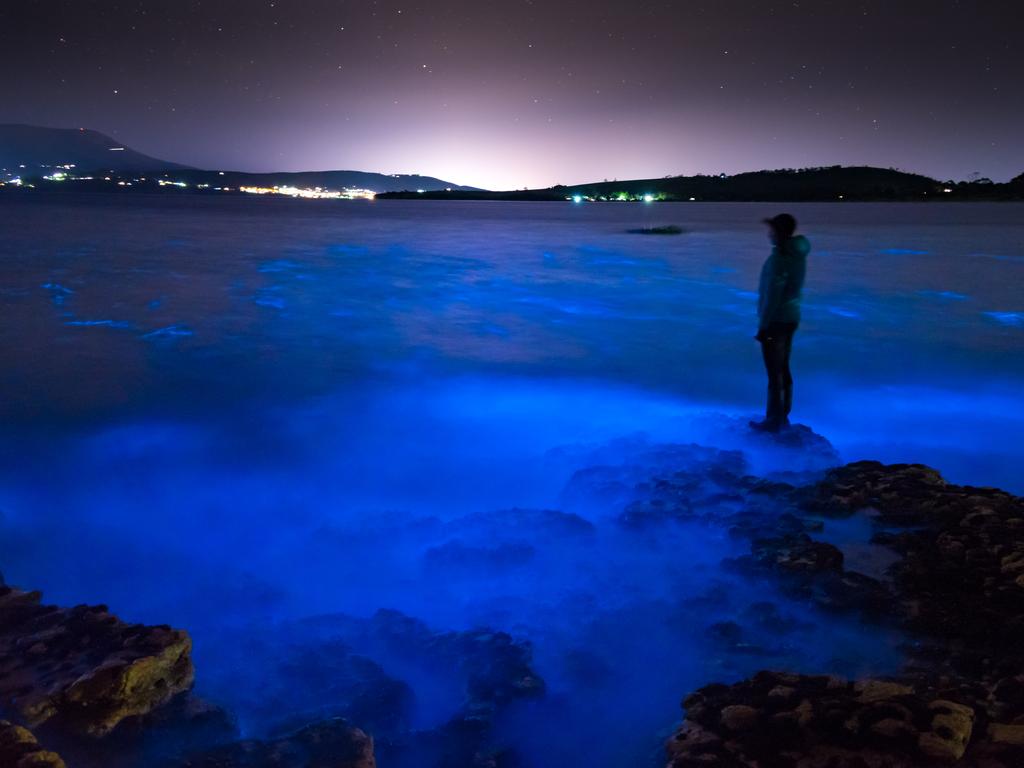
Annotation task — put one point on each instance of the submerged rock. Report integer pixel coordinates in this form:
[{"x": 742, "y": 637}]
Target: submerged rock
[
  {"x": 457, "y": 555},
  {"x": 368, "y": 672},
  {"x": 328, "y": 744},
  {"x": 82, "y": 667}
]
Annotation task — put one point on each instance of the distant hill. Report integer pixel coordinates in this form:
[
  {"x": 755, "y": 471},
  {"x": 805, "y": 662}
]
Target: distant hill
[
  {"x": 377, "y": 182},
  {"x": 789, "y": 185},
  {"x": 859, "y": 183},
  {"x": 40, "y": 149}
]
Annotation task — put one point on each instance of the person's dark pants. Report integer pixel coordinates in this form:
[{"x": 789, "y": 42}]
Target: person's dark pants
[{"x": 776, "y": 347}]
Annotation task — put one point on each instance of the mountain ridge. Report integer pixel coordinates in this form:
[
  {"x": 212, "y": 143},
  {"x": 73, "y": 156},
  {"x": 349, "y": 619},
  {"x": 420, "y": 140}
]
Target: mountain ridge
[{"x": 30, "y": 150}]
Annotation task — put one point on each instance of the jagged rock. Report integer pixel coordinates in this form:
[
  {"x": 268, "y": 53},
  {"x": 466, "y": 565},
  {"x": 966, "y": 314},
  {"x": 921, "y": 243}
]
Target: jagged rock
[
  {"x": 308, "y": 675},
  {"x": 328, "y": 744},
  {"x": 84, "y": 667},
  {"x": 949, "y": 732},
  {"x": 495, "y": 668},
  {"x": 797, "y": 720},
  {"x": 20, "y": 749},
  {"x": 962, "y": 548}
]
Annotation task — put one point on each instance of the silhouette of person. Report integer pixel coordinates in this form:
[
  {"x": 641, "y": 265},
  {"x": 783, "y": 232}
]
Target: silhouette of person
[{"x": 778, "y": 311}]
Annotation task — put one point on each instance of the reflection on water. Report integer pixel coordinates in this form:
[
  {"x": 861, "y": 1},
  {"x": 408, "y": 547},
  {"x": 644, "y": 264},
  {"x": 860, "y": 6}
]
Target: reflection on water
[{"x": 218, "y": 413}]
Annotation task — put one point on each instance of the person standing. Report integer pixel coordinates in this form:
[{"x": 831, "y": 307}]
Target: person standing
[{"x": 778, "y": 311}]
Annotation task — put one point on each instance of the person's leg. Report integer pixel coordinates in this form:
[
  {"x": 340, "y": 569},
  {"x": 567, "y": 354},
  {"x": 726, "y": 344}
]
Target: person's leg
[
  {"x": 785, "y": 373},
  {"x": 773, "y": 352}
]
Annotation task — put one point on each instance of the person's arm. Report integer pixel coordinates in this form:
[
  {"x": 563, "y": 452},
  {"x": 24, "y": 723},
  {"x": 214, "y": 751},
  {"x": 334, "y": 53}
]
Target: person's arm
[{"x": 774, "y": 287}]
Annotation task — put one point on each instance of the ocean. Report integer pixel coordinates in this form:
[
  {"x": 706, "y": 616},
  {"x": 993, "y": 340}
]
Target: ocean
[{"x": 231, "y": 414}]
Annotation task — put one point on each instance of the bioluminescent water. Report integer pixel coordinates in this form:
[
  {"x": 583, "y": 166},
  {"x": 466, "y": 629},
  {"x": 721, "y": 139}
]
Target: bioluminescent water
[{"x": 265, "y": 421}]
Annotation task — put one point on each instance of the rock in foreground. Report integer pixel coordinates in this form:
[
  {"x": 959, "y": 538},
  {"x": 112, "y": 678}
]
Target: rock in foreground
[
  {"x": 328, "y": 744},
  {"x": 82, "y": 667},
  {"x": 957, "y": 586},
  {"x": 19, "y": 749},
  {"x": 798, "y": 721}
]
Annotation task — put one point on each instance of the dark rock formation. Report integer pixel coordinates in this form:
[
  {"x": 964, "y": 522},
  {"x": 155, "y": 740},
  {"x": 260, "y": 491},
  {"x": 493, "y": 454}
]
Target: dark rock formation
[
  {"x": 796, "y": 720},
  {"x": 958, "y": 587},
  {"x": 20, "y": 749},
  {"x": 185, "y": 725},
  {"x": 82, "y": 666},
  {"x": 335, "y": 668},
  {"x": 494, "y": 669},
  {"x": 328, "y": 744}
]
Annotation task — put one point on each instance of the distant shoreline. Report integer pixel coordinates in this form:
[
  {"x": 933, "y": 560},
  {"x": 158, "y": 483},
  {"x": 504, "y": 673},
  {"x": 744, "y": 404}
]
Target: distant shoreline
[
  {"x": 819, "y": 185},
  {"x": 24, "y": 193},
  {"x": 834, "y": 184}
]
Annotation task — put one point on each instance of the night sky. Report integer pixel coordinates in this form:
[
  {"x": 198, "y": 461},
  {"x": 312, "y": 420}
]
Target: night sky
[{"x": 514, "y": 93}]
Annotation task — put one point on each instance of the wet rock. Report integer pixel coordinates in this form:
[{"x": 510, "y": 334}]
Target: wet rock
[
  {"x": 797, "y": 560},
  {"x": 495, "y": 668},
  {"x": 474, "y": 675},
  {"x": 738, "y": 717},
  {"x": 328, "y": 744},
  {"x": 802, "y": 438},
  {"x": 871, "y": 691},
  {"x": 949, "y": 731},
  {"x": 307, "y": 676},
  {"x": 799, "y": 720},
  {"x": 663, "y": 483},
  {"x": 463, "y": 742},
  {"x": 184, "y": 725},
  {"x": 82, "y": 666},
  {"x": 960, "y": 699},
  {"x": 20, "y": 749},
  {"x": 459, "y": 555},
  {"x": 766, "y": 523}
]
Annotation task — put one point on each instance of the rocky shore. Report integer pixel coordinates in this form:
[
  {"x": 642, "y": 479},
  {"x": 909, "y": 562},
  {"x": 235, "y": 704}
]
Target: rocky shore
[
  {"x": 98, "y": 692},
  {"x": 957, "y": 588},
  {"x": 80, "y": 687}
]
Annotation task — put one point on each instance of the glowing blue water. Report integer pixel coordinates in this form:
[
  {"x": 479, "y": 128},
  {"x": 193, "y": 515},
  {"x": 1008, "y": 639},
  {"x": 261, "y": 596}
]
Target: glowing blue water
[{"x": 222, "y": 412}]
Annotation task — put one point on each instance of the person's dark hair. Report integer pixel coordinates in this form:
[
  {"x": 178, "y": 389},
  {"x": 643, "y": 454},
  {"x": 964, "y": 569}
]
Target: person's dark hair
[{"x": 784, "y": 225}]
